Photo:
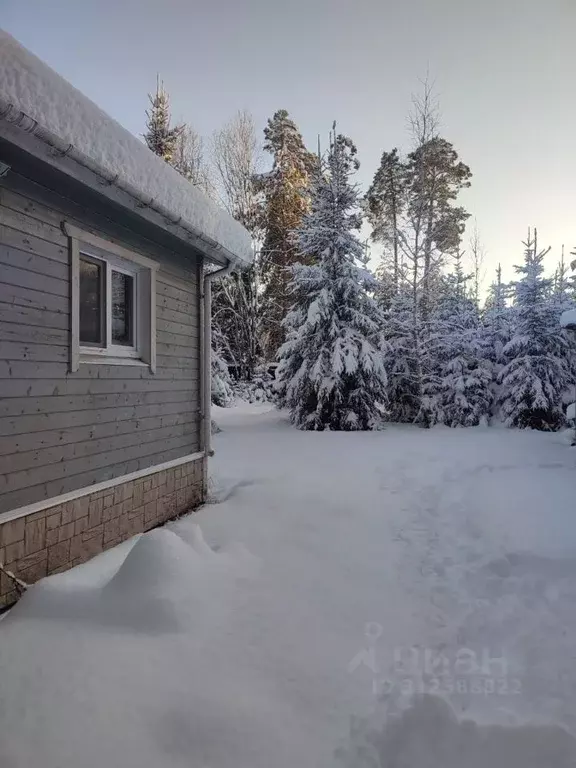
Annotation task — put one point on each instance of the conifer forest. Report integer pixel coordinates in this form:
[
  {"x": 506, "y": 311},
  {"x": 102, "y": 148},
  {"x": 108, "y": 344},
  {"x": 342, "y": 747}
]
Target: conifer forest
[{"x": 371, "y": 305}]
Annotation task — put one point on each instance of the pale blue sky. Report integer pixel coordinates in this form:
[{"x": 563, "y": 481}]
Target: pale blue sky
[{"x": 505, "y": 72}]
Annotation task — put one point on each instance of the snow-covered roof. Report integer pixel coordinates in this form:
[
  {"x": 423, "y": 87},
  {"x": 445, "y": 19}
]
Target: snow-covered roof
[
  {"x": 568, "y": 319},
  {"x": 29, "y": 86}
]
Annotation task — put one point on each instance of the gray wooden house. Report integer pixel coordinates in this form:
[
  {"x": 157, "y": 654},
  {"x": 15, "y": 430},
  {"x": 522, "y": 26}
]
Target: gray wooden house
[{"x": 104, "y": 316}]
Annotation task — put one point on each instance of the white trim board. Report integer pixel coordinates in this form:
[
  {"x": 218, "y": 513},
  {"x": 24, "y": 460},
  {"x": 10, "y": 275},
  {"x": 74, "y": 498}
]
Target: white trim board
[
  {"x": 107, "y": 245},
  {"x": 39, "y": 506}
]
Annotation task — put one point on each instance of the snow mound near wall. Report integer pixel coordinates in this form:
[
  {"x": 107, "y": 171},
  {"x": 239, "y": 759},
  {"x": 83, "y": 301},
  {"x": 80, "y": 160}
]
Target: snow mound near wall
[
  {"x": 140, "y": 669},
  {"x": 35, "y": 89},
  {"x": 162, "y": 583}
]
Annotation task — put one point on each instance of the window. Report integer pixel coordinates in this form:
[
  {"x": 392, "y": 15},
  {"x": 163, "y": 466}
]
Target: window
[
  {"x": 113, "y": 303},
  {"x": 108, "y": 301}
]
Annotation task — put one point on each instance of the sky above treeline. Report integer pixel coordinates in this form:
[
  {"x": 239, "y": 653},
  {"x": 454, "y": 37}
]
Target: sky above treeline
[{"x": 504, "y": 73}]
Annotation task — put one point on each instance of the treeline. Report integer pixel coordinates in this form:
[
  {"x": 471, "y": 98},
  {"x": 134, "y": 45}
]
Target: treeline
[{"x": 413, "y": 343}]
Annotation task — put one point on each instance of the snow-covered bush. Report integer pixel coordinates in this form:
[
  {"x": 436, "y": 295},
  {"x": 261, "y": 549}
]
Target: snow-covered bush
[
  {"x": 462, "y": 395},
  {"x": 261, "y": 389},
  {"x": 222, "y": 394}
]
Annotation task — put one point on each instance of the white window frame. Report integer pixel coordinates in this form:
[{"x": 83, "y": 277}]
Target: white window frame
[
  {"x": 143, "y": 271},
  {"x": 114, "y": 264}
]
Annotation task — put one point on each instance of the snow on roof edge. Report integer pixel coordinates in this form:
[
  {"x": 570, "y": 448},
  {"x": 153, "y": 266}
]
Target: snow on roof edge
[{"x": 36, "y": 90}]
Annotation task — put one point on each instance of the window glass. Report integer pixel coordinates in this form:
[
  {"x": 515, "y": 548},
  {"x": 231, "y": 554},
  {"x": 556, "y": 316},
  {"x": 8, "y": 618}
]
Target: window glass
[
  {"x": 91, "y": 302},
  {"x": 122, "y": 309}
]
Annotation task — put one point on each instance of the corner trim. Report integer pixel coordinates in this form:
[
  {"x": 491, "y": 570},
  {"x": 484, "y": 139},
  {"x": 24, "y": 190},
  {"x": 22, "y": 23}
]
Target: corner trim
[
  {"x": 74, "y": 304},
  {"x": 38, "y": 506}
]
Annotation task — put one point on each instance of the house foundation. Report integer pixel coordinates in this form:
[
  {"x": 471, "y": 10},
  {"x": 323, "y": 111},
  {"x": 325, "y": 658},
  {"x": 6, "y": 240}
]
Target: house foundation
[{"x": 62, "y": 535}]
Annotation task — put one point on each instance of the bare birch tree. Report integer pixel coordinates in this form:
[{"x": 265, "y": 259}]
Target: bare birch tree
[
  {"x": 477, "y": 256},
  {"x": 424, "y": 117},
  {"x": 436, "y": 176},
  {"x": 236, "y": 159},
  {"x": 188, "y": 158}
]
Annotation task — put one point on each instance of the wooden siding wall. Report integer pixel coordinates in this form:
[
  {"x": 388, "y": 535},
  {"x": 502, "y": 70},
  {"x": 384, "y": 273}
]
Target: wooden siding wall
[{"x": 60, "y": 431}]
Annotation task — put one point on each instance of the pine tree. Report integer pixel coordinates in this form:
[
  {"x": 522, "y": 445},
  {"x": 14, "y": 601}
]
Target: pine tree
[
  {"x": 331, "y": 370},
  {"x": 286, "y": 193},
  {"x": 458, "y": 391},
  {"x": 411, "y": 205},
  {"x": 435, "y": 176},
  {"x": 385, "y": 202},
  {"x": 536, "y": 374},
  {"x": 159, "y": 136}
]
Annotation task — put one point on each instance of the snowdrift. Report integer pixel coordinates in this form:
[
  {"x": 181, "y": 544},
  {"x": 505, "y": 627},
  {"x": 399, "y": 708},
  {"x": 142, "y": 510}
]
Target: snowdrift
[{"x": 120, "y": 661}]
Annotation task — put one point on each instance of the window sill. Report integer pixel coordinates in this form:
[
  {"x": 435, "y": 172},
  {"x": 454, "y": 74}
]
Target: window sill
[{"x": 111, "y": 360}]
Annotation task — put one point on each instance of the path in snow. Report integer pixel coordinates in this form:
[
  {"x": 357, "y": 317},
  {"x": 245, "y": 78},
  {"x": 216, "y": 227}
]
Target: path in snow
[
  {"x": 496, "y": 546},
  {"x": 434, "y": 542}
]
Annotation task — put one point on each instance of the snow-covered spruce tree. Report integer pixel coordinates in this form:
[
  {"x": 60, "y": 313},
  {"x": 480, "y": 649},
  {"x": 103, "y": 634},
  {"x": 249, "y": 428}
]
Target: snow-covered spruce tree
[
  {"x": 498, "y": 321},
  {"x": 563, "y": 290},
  {"x": 563, "y": 298},
  {"x": 537, "y": 372},
  {"x": 400, "y": 360},
  {"x": 160, "y": 137},
  {"x": 572, "y": 278},
  {"x": 458, "y": 391},
  {"x": 331, "y": 371}
]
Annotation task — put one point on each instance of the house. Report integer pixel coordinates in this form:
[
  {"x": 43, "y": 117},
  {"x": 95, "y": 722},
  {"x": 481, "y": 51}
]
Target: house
[{"x": 104, "y": 316}]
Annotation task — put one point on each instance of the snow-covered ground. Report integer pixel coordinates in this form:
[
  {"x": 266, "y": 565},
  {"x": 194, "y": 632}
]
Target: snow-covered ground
[{"x": 372, "y": 566}]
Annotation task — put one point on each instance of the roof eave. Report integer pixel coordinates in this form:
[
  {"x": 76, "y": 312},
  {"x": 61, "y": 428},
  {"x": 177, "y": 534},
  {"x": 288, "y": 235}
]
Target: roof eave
[{"x": 23, "y": 131}]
